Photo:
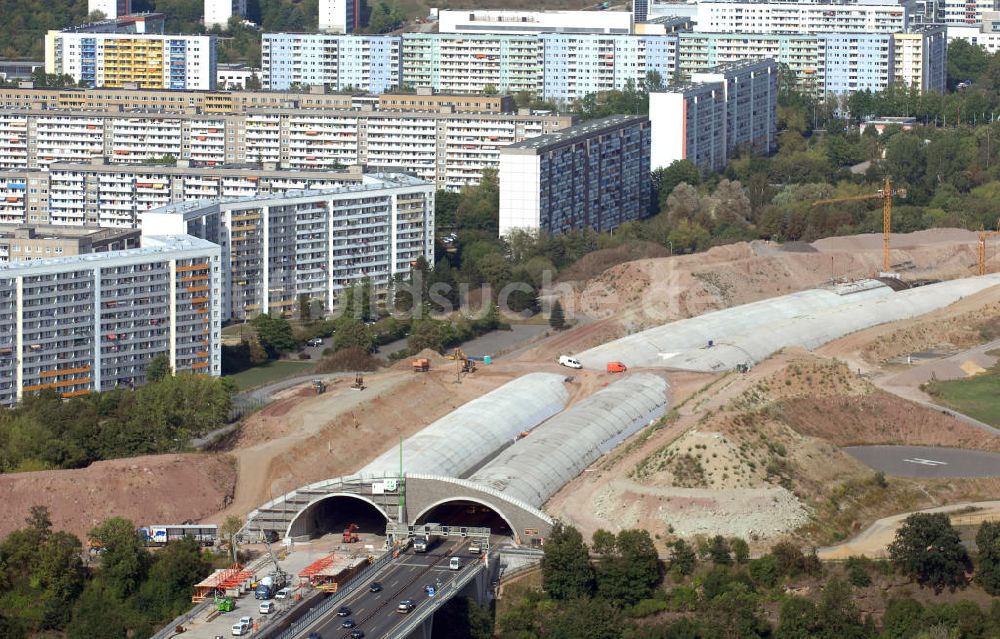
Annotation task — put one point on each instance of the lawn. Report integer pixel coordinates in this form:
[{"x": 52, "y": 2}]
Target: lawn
[
  {"x": 977, "y": 396},
  {"x": 272, "y": 371}
]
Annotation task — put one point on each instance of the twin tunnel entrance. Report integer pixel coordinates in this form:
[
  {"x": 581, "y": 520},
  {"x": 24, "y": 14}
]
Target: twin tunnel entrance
[{"x": 334, "y": 514}]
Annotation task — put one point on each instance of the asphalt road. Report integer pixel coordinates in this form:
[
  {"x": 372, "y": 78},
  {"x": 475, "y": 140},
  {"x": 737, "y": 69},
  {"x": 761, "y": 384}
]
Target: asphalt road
[
  {"x": 405, "y": 578},
  {"x": 927, "y": 462}
]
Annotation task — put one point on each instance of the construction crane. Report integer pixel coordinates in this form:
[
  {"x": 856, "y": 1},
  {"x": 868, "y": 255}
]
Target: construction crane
[
  {"x": 983, "y": 236},
  {"x": 886, "y": 194}
]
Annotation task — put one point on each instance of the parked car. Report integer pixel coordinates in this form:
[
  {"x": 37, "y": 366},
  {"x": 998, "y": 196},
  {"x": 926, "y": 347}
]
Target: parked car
[
  {"x": 284, "y": 593},
  {"x": 316, "y": 341},
  {"x": 571, "y": 362},
  {"x": 240, "y": 629},
  {"x": 265, "y": 607}
]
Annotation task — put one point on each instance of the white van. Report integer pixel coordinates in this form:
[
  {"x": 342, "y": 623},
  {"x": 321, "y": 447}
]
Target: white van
[
  {"x": 241, "y": 628},
  {"x": 284, "y": 593},
  {"x": 571, "y": 362},
  {"x": 266, "y": 607},
  {"x": 455, "y": 564}
]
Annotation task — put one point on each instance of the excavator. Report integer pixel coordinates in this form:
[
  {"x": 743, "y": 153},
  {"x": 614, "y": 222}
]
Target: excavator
[
  {"x": 465, "y": 363},
  {"x": 350, "y": 536}
]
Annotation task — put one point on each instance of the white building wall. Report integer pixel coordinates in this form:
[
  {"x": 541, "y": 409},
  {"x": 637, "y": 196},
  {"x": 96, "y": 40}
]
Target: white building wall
[
  {"x": 519, "y": 197},
  {"x": 336, "y": 16},
  {"x": 486, "y": 21},
  {"x": 975, "y": 35},
  {"x": 218, "y": 12},
  {"x": 667, "y": 117},
  {"x": 736, "y": 16}
]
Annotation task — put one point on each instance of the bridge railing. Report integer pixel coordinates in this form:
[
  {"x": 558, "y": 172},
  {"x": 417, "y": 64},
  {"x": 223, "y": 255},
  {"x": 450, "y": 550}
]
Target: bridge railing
[
  {"x": 334, "y": 600},
  {"x": 470, "y": 572}
]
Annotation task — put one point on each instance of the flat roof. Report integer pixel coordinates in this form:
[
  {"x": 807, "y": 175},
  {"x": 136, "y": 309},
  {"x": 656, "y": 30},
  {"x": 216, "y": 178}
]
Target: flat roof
[
  {"x": 152, "y": 246},
  {"x": 581, "y": 131}
]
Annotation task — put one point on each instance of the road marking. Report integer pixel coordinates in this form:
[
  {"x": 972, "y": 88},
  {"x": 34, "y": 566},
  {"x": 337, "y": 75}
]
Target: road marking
[{"x": 926, "y": 462}]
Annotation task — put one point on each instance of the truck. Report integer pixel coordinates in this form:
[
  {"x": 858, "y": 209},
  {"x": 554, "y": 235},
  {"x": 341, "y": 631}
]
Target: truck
[
  {"x": 269, "y": 586},
  {"x": 423, "y": 542},
  {"x": 160, "y": 534}
]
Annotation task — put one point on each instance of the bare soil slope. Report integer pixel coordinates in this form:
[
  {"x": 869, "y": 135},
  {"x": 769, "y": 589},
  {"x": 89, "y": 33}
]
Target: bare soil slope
[{"x": 155, "y": 489}]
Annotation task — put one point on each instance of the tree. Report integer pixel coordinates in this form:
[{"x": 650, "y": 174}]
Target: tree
[
  {"x": 557, "y": 319},
  {"x": 566, "y": 569},
  {"x": 178, "y": 566},
  {"x": 988, "y": 543},
  {"x": 797, "y": 619},
  {"x": 158, "y": 368},
  {"x": 929, "y": 550},
  {"x": 628, "y": 568},
  {"x": 740, "y": 548},
  {"x": 682, "y": 558},
  {"x": 352, "y": 333},
  {"x": 59, "y": 575},
  {"x": 228, "y": 532},
  {"x": 124, "y": 560},
  {"x": 718, "y": 550},
  {"x": 666, "y": 179},
  {"x": 275, "y": 333},
  {"x": 305, "y": 312}
]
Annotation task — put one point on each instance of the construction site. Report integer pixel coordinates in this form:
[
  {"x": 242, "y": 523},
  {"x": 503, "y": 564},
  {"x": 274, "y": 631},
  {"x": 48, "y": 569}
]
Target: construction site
[{"x": 743, "y": 378}]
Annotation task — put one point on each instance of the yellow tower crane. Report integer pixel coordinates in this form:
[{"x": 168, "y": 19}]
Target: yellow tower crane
[
  {"x": 886, "y": 194},
  {"x": 983, "y": 236}
]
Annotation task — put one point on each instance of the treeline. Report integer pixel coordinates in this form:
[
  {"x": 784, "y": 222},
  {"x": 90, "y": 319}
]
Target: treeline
[
  {"x": 122, "y": 591},
  {"x": 46, "y": 432},
  {"x": 618, "y": 587}
]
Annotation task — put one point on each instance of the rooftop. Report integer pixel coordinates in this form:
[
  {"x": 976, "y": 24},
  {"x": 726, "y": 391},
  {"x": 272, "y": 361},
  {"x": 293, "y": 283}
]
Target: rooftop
[
  {"x": 152, "y": 245},
  {"x": 581, "y": 131}
]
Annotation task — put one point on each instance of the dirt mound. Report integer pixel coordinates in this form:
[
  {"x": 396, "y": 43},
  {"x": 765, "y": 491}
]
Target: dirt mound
[
  {"x": 594, "y": 263},
  {"x": 155, "y": 489},
  {"x": 348, "y": 360},
  {"x": 958, "y": 331},
  {"x": 901, "y": 241}
]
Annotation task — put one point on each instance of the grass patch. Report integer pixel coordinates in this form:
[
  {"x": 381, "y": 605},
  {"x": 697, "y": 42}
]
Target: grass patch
[
  {"x": 271, "y": 371},
  {"x": 973, "y": 396}
]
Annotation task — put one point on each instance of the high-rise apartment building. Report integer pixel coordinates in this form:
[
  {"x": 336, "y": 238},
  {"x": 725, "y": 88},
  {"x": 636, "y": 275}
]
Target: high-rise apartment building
[
  {"x": 218, "y": 12},
  {"x": 730, "y": 109},
  {"x": 577, "y": 65},
  {"x": 593, "y": 175},
  {"x": 313, "y": 243},
  {"x": 986, "y": 35},
  {"x": 110, "y": 8},
  {"x": 967, "y": 12},
  {"x": 756, "y": 16},
  {"x": 369, "y": 63},
  {"x": 920, "y": 58},
  {"x": 339, "y": 16},
  {"x": 148, "y": 61},
  {"x": 451, "y": 149},
  {"x": 94, "y": 322},
  {"x": 23, "y": 243}
]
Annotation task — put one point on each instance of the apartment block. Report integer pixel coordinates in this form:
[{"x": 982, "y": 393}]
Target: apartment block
[
  {"x": 986, "y": 35},
  {"x": 754, "y": 16},
  {"x": 312, "y": 243},
  {"x": 856, "y": 62},
  {"x": 967, "y": 12},
  {"x": 218, "y": 12},
  {"x": 689, "y": 123},
  {"x": 593, "y": 175},
  {"x": 450, "y": 149},
  {"x": 473, "y": 63},
  {"x": 750, "y": 91},
  {"x": 577, "y": 65},
  {"x": 369, "y": 63},
  {"x": 339, "y": 16},
  {"x": 93, "y": 322},
  {"x": 234, "y": 76},
  {"x": 527, "y": 22},
  {"x": 149, "y": 61},
  {"x": 920, "y": 58},
  {"x": 23, "y": 243},
  {"x": 110, "y": 8}
]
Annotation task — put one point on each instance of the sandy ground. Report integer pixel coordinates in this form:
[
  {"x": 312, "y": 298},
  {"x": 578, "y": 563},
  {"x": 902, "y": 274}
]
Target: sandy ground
[{"x": 155, "y": 489}]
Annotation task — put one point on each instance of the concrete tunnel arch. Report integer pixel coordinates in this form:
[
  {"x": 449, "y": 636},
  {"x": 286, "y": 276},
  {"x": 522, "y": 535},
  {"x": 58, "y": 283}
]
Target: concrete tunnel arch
[
  {"x": 457, "y": 499},
  {"x": 305, "y": 523}
]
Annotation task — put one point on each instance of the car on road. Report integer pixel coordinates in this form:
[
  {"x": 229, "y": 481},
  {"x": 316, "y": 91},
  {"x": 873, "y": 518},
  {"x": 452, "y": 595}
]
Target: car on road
[
  {"x": 316, "y": 341},
  {"x": 357, "y": 633},
  {"x": 284, "y": 593},
  {"x": 406, "y": 606},
  {"x": 348, "y": 623},
  {"x": 454, "y": 564},
  {"x": 247, "y": 620},
  {"x": 344, "y": 612},
  {"x": 375, "y": 587},
  {"x": 570, "y": 362},
  {"x": 266, "y": 607},
  {"x": 314, "y": 635},
  {"x": 241, "y": 628}
]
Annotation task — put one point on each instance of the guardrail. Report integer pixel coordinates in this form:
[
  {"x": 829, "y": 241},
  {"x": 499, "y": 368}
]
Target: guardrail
[
  {"x": 168, "y": 630},
  {"x": 449, "y": 591},
  {"x": 334, "y": 600}
]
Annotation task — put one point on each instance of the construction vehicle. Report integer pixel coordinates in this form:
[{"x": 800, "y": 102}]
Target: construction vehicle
[
  {"x": 224, "y": 604},
  {"x": 276, "y": 580},
  {"x": 886, "y": 194},
  {"x": 617, "y": 367},
  {"x": 465, "y": 365},
  {"x": 359, "y": 382},
  {"x": 319, "y": 386},
  {"x": 350, "y": 536},
  {"x": 421, "y": 365},
  {"x": 983, "y": 236}
]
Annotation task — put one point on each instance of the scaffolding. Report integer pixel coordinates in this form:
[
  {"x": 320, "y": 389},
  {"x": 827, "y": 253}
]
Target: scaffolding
[{"x": 220, "y": 581}]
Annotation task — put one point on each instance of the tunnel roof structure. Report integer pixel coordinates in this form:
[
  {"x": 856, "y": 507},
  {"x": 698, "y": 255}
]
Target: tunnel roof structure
[
  {"x": 536, "y": 467},
  {"x": 472, "y": 434},
  {"x": 750, "y": 333}
]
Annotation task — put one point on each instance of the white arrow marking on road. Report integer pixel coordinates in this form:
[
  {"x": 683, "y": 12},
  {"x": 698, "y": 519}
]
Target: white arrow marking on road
[{"x": 926, "y": 462}]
